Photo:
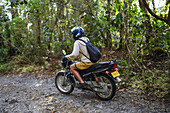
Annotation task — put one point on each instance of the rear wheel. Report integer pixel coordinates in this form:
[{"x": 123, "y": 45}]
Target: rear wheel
[
  {"x": 62, "y": 85},
  {"x": 111, "y": 87}
]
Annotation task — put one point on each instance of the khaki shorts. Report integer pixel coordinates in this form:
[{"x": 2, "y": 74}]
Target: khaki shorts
[{"x": 83, "y": 65}]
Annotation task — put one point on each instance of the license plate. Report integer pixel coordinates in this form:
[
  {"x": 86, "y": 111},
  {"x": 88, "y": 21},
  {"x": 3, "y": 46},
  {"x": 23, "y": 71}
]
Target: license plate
[{"x": 115, "y": 74}]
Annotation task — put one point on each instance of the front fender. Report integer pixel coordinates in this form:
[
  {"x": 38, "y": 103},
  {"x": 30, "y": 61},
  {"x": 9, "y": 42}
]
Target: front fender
[
  {"x": 69, "y": 76},
  {"x": 60, "y": 72}
]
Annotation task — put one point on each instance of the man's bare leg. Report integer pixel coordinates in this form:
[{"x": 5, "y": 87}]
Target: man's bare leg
[{"x": 76, "y": 73}]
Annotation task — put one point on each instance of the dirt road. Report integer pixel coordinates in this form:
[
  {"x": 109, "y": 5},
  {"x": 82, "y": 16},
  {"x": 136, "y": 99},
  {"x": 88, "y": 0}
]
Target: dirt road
[{"x": 38, "y": 94}]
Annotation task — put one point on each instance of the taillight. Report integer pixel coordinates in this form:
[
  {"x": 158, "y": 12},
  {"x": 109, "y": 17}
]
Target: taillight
[{"x": 114, "y": 66}]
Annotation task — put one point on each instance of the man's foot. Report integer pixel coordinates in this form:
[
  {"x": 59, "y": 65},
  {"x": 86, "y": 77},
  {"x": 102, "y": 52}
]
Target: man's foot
[{"x": 81, "y": 85}]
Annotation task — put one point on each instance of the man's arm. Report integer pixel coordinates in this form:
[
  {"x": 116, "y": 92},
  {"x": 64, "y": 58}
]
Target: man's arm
[{"x": 75, "y": 51}]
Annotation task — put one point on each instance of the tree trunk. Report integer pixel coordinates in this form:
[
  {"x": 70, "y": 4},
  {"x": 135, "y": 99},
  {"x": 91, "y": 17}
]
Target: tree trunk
[
  {"x": 60, "y": 14},
  {"x": 14, "y": 11},
  {"x": 126, "y": 30},
  {"x": 147, "y": 23},
  {"x": 39, "y": 33},
  {"x": 121, "y": 28},
  {"x": 108, "y": 34},
  {"x": 9, "y": 45}
]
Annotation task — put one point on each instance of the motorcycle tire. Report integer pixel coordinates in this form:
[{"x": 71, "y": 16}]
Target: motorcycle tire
[
  {"x": 111, "y": 87},
  {"x": 66, "y": 88}
]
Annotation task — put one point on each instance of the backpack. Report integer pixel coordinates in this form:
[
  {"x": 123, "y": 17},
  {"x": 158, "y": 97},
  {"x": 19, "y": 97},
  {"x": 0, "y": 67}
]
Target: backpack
[{"x": 93, "y": 51}]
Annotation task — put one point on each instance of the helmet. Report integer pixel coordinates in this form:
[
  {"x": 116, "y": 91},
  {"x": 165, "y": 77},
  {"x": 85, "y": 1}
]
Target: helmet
[{"x": 77, "y": 32}]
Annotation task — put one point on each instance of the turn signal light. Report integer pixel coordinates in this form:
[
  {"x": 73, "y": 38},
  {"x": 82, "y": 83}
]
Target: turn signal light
[{"x": 107, "y": 72}]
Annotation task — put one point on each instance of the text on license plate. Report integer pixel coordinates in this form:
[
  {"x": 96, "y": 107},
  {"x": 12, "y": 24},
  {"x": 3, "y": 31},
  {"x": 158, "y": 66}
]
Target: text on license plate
[{"x": 115, "y": 74}]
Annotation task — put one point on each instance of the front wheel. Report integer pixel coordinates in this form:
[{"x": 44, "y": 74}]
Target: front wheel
[
  {"x": 111, "y": 87},
  {"x": 62, "y": 85}
]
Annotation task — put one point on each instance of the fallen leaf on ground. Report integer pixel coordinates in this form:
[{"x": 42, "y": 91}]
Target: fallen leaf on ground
[
  {"x": 136, "y": 102},
  {"x": 96, "y": 100},
  {"x": 122, "y": 90}
]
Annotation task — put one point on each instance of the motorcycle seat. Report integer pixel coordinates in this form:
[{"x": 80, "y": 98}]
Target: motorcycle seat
[{"x": 94, "y": 67}]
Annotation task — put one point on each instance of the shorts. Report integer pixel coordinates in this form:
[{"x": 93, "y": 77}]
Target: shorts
[{"x": 83, "y": 65}]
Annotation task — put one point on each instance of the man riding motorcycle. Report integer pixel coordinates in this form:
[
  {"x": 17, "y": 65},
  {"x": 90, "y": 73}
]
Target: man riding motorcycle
[
  {"x": 79, "y": 50},
  {"x": 97, "y": 77}
]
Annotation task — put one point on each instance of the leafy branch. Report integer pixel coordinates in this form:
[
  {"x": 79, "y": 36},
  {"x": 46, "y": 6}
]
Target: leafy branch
[
  {"x": 65, "y": 5},
  {"x": 167, "y": 20}
]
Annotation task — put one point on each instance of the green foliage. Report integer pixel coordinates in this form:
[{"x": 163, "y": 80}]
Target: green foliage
[
  {"x": 7, "y": 67},
  {"x": 27, "y": 68},
  {"x": 157, "y": 85}
]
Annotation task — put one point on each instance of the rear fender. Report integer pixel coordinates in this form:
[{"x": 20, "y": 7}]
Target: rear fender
[{"x": 109, "y": 75}]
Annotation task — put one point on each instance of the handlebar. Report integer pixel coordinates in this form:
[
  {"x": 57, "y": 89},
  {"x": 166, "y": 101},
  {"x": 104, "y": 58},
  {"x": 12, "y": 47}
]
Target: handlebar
[{"x": 64, "y": 52}]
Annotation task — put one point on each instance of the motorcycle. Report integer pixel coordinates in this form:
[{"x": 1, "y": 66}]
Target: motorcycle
[{"x": 100, "y": 78}]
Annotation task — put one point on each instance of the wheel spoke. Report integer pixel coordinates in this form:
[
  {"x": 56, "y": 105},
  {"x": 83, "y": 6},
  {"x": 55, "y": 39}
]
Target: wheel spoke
[
  {"x": 111, "y": 88},
  {"x": 63, "y": 86}
]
